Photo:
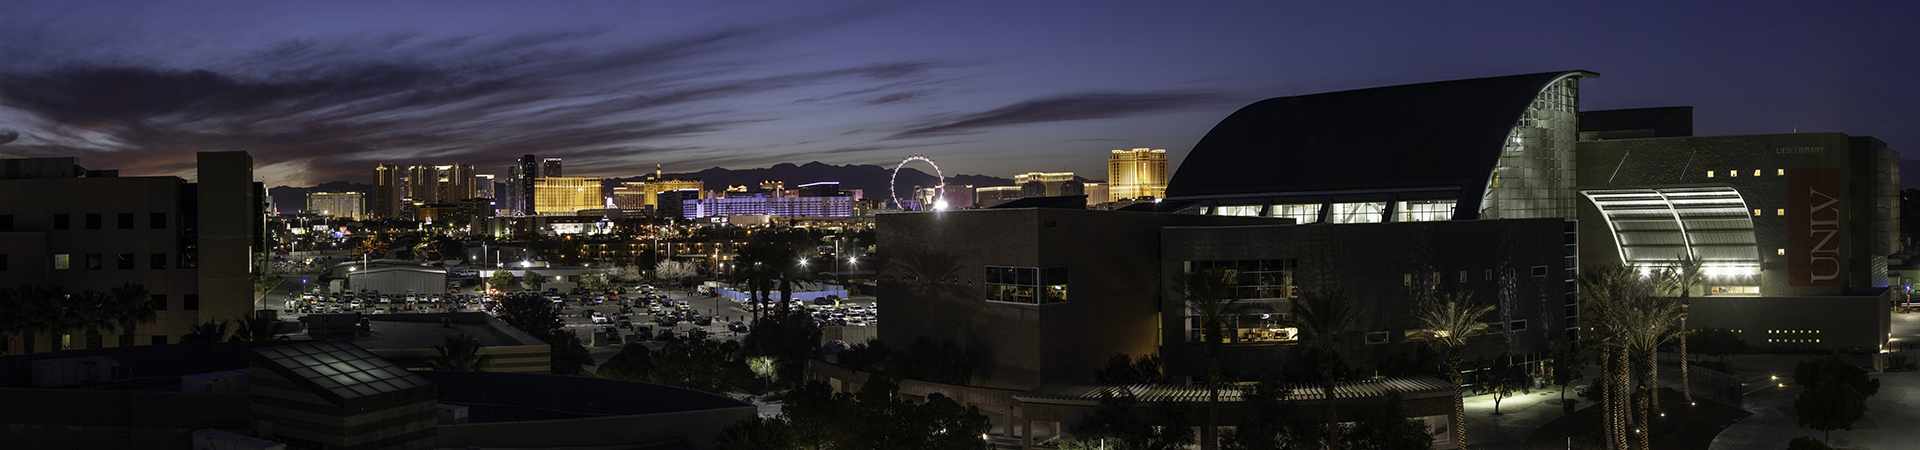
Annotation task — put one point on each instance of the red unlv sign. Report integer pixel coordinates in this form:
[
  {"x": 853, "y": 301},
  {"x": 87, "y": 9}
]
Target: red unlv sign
[{"x": 1814, "y": 256}]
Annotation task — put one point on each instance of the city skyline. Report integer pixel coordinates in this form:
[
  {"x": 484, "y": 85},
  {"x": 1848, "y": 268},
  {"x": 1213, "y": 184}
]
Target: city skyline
[{"x": 323, "y": 92}]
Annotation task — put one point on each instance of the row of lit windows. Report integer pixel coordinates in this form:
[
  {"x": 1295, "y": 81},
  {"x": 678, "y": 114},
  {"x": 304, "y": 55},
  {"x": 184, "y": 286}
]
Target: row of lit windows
[
  {"x": 1779, "y": 212},
  {"x": 124, "y": 261},
  {"x": 1793, "y": 331},
  {"x": 1794, "y": 341},
  {"x": 1406, "y": 279},
  {"x": 1756, "y": 172}
]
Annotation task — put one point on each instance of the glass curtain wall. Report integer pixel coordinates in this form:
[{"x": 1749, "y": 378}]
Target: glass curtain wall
[
  {"x": 1424, "y": 211},
  {"x": 1299, "y": 213},
  {"x": 1535, "y": 174},
  {"x": 1364, "y": 212}
]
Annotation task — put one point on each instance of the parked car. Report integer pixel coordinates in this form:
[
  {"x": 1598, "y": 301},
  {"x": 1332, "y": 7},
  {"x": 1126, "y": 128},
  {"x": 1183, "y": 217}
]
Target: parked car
[
  {"x": 702, "y": 320},
  {"x": 665, "y": 334},
  {"x": 737, "y": 326},
  {"x": 645, "y": 332},
  {"x": 697, "y": 333}
]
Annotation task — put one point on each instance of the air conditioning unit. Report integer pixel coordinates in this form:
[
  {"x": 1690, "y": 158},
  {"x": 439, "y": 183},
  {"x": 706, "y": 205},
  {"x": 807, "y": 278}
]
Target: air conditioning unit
[
  {"x": 64, "y": 372},
  {"x": 452, "y": 414},
  {"x": 228, "y": 381}
]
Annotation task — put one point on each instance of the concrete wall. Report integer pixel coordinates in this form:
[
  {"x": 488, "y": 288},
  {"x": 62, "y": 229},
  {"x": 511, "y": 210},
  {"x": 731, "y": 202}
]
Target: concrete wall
[
  {"x": 87, "y": 419},
  {"x": 1841, "y": 323}
]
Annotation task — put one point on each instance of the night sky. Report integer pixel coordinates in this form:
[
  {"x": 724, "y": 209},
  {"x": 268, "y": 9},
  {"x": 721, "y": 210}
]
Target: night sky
[{"x": 323, "y": 91}]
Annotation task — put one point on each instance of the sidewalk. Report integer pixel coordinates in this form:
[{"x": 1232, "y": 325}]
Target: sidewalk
[
  {"x": 1520, "y": 416},
  {"x": 1774, "y": 422}
]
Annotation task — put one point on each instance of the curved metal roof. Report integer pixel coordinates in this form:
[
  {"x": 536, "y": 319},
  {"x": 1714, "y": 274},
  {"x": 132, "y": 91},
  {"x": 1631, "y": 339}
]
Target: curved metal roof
[{"x": 1447, "y": 133}]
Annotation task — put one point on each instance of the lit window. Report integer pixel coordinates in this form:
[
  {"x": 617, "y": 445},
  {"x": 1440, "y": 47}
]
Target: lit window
[
  {"x": 1756, "y": 172},
  {"x": 1733, "y": 174},
  {"x": 1756, "y": 213},
  {"x": 1780, "y": 212},
  {"x": 1782, "y": 252},
  {"x": 61, "y": 262},
  {"x": 1782, "y": 172},
  {"x": 1709, "y": 174}
]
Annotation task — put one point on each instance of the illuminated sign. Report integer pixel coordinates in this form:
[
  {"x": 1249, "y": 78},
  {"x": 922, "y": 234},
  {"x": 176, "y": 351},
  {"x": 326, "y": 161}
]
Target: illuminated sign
[{"x": 1813, "y": 228}]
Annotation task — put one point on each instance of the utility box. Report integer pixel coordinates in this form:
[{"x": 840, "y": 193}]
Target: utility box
[
  {"x": 230, "y": 381},
  {"x": 64, "y": 372},
  {"x": 452, "y": 414},
  {"x": 217, "y": 439}
]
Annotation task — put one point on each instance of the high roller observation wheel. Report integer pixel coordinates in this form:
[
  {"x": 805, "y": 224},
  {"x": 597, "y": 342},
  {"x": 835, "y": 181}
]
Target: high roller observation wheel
[{"x": 939, "y": 190}]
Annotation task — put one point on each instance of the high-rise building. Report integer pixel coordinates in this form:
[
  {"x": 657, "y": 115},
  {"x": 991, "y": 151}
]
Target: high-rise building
[
  {"x": 346, "y": 205},
  {"x": 1096, "y": 193},
  {"x": 483, "y": 186},
  {"x": 1047, "y": 184},
  {"x": 550, "y": 168},
  {"x": 566, "y": 196},
  {"x": 423, "y": 183},
  {"x": 645, "y": 194},
  {"x": 384, "y": 202},
  {"x": 1137, "y": 173},
  {"x": 529, "y": 170},
  {"x": 511, "y": 198},
  {"x": 455, "y": 183},
  {"x": 190, "y": 245}
]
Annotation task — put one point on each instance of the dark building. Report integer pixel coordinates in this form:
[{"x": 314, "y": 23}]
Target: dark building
[
  {"x": 189, "y": 244},
  {"x": 1793, "y": 229},
  {"x": 529, "y": 169}
]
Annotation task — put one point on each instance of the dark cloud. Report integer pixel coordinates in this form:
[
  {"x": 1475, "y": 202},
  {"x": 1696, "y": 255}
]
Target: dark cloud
[
  {"x": 332, "y": 109},
  {"x": 1063, "y": 108}
]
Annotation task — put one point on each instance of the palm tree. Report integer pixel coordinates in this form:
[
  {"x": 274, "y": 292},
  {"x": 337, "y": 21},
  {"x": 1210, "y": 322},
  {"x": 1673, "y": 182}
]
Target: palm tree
[
  {"x": 1643, "y": 326},
  {"x": 132, "y": 307},
  {"x": 12, "y": 318},
  {"x": 1448, "y": 322},
  {"x": 94, "y": 312},
  {"x": 1212, "y": 296},
  {"x": 1325, "y": 320},
  {"x": 207, "y": 332},
  {"x": 40, "y": 312},
  {"x": 256, "y": 328},
  {"x": 458, "y": 352},
  {"x": 1684, "y": 275},
  {"x": 1615, "y": 302}
]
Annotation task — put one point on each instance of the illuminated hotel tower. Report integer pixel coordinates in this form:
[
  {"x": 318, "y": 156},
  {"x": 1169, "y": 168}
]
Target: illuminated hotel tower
[{"x": 1137, "y": 173}]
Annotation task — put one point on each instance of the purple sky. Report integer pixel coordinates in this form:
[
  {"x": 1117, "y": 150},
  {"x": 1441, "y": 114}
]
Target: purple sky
[{"x": 323, "y": 91}]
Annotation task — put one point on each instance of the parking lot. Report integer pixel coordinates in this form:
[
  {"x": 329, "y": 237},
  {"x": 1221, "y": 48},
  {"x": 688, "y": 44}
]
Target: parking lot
[{"x": 631, "y": 314}]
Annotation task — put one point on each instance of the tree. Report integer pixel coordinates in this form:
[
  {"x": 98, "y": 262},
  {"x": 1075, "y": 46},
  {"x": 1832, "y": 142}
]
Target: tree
[
  {"x": 756, "y": 433},
  {"x": 1325, "y": 322},
  {"x": 256, "y": 328},
  {"x": 1387, "y": 427},
  {"x": 132, "y": 307},
  {"x": 1683, "y": 276},
  {"x": 1613, "y": 298},
  {"x": 1503, "y": 379},
  {"x": 1566, "y": 366},
  {"x": 1117, "y": 424},
  {"x": 632, "y": 363},
  {"x": 700, "y": 364},
  {"x": 765, "y": 368},
  {"x": 1808, "y": 443},
  {"x": 93, "y": 312},
  {"x": 535, "y": 279},
  {"x": 1121, "y": 369},
  {"x": 789, "y": 339},
  {"x": 458, "y": 352},
  {"x": 1447, "y": 322},
  {"x": 1831, "y": 367},
  {"x": 1717, "y": 342},
  {"x": 568, "y": 354},
  {"x": 501, "y": 278},
  {"x": 209, "y": 331},
  {"x": 877, "y": 418},
  {"x": 1212, "y": 297},
  {"x": 1830, "y": 405},
  {"x": 675, "y": 270},
  {"x": 1271, "y": 422}
]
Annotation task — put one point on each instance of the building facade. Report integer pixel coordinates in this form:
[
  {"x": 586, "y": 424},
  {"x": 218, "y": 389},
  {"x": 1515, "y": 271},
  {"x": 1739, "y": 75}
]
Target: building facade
[
  {"x": 1137, "y": 173},
  {"x": 529, "y": 169},
  {"x": 840, "y": 206},
  {"x": 388, "y": 189},
  {"x": 338, "y": 204},
  {"x": 190, "y": 245},
  {"x": 565, "y": 196},
  {"x": 550, "y": 168}
]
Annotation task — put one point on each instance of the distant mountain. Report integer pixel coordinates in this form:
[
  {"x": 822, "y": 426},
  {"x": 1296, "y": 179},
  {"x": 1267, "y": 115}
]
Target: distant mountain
[
  {"x": 871, "y": 179},
  {"x": 288, "y": 199}
]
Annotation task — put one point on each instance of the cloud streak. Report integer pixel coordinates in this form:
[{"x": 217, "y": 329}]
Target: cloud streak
[
  {"x": 1061, "y": 109},
  {"x": 322, "y": 110}
]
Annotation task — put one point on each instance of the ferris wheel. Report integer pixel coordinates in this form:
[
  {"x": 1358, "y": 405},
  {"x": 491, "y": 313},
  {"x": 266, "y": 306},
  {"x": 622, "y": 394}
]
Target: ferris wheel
[{"x": 939, "y": 188}]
